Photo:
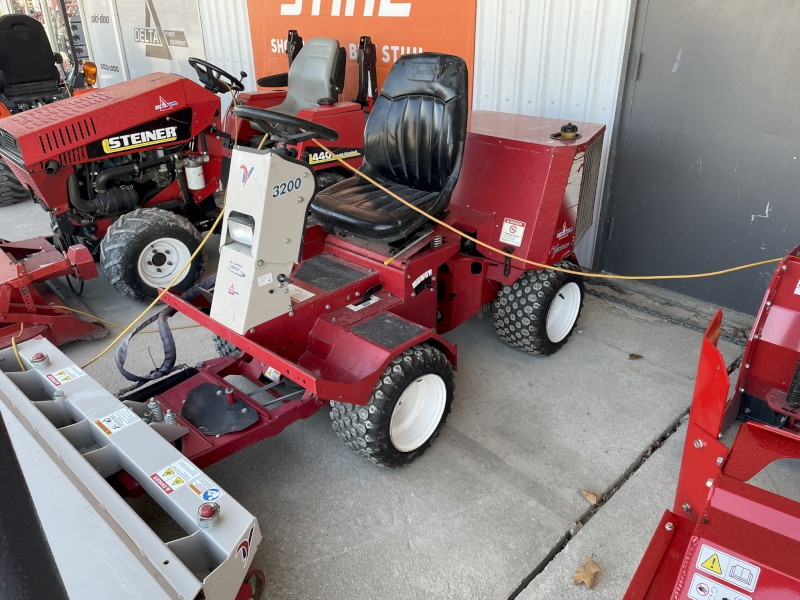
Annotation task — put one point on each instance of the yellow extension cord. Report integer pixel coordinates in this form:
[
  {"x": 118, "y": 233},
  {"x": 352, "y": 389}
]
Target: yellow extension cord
[
  {"x": 530, "y": 262},
  {"x": 412, "y": 207}
]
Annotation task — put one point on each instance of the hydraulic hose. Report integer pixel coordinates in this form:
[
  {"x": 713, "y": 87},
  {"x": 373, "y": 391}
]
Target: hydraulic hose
[{"x": 103, "y": 180}]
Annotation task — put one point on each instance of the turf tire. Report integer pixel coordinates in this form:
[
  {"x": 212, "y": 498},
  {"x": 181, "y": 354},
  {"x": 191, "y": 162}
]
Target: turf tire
[
  {"x": 128, "y": 237},
  {"x": 522, "y": 309},
  {"x": 365, "y": 429},
  {"x": 224, "y": 347},
  {"x": 11, "y": 190}
]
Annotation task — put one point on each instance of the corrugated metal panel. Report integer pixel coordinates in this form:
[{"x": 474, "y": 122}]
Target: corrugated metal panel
[
  {"x": 553, "y": 58},
  {"x": 226, "y": 38}
]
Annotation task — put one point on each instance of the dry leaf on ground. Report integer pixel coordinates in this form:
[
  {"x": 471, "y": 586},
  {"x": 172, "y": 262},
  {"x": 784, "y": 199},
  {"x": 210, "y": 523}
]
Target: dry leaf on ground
[
  {"x": 591, "y": 497},
  {"x": 633, "y": 356},
  {"x": 585, "y": 573}
]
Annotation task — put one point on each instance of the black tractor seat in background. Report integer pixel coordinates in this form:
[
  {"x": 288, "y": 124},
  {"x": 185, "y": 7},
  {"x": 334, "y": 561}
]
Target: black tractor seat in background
[
  {"x": 413, "y": 145},
  {"x": 27, "y": 61}
]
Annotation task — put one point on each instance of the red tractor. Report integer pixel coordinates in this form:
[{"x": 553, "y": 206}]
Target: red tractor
[
  {"x": 350, "y": 310},
  {"x": 130, "y": 170}
]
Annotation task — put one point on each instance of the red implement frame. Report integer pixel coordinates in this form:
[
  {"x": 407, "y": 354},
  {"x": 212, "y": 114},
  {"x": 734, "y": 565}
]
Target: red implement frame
[
  {"x": 24, "y": 267},
  {"x": 773, "y": 350},
  {"x": 755, "y": 534}
]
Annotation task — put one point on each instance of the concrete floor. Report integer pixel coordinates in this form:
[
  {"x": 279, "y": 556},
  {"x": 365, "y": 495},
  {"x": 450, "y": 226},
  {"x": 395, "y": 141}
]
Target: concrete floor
[{"x": 481, "y": 510}]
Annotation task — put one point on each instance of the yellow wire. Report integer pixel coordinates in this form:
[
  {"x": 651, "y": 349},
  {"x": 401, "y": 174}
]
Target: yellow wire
[
  {"x": 530, "y": 262},
  {"x": 14, "y": 345},
  {"x": 166, "y": 289}
]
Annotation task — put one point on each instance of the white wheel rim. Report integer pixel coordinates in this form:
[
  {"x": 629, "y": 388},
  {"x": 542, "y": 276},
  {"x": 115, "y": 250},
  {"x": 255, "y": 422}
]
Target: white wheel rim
[
  {"x": 563, "y": 312},
  {"x": 418, "y": 412},
  {"x": 161, "y": 260}
]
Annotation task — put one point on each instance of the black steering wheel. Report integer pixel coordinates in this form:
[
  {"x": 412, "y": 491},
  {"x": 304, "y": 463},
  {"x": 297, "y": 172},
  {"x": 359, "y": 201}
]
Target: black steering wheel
[
  {"x": 210, "y": 76},
  {"x": 284, "y": 128}
]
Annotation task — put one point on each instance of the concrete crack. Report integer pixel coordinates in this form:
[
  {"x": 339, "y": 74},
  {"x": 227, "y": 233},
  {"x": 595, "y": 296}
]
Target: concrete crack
[{"x": 592, "y": 510}]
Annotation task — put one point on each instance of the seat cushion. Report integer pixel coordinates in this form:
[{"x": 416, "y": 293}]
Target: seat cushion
[{"x": 357, "y": 207}]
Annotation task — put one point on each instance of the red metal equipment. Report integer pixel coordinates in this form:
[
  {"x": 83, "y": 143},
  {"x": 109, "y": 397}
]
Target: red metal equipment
[
  {"x": 770, "y": 361},
  {"x": 25, "y": 299},
  {"x": 724, "y": 539},
  {"x": 434, "y": 285}
]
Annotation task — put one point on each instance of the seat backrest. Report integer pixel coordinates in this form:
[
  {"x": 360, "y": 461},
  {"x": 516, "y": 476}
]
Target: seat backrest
[
  {"x": 416, "y": 131},
  {"x": 312, "y": 73},
  {"x": 25, "y": 53}
]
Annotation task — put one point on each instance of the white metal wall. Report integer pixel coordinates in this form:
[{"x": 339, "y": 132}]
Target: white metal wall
[
  {"x": 226, "y": 38},
  {"x": 553, "y": 58}
]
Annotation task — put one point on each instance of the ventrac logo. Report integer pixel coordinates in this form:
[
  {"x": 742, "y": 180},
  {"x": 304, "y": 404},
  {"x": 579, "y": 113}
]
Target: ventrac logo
[
  {"x": 244, "y": 547},
  {"x": 129, "y": 141},
  {"x": 157, "y": 40},
  {"x": 386, "y": 8},
  {"x": 246, "y": 174}
]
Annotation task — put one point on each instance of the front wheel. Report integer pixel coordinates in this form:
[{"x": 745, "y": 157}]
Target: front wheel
[
  {"x": 11, "y": 190},
  {"x": 146, "y": 249},
  {"x": 405, "y": 412},
  {"x": 538, "y": 313}
]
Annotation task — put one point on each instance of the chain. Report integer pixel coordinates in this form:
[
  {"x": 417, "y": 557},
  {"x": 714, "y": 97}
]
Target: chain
[{"x": 738, "y": 340}]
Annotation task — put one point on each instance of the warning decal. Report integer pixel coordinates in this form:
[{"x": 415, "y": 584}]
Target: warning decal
[
  {"x": 298, "y": 294},
  {"x": 705, "y": 588},
  {"x": 731, "y": 570},
  {"x": 65, "y": 375},
  {"x": 365, "y": 304},
  {"x": 183, "y": 472},
  {"x": 117, "y": 421},
  {"x": 512, "y": 232}
]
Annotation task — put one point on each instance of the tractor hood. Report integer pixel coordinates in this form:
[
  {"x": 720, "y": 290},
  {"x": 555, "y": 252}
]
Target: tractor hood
[{"x": 154, "y": 110}]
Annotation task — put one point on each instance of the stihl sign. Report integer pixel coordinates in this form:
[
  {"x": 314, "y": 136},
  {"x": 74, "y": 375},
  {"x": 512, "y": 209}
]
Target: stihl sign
[{"x": 386, "y": 8}]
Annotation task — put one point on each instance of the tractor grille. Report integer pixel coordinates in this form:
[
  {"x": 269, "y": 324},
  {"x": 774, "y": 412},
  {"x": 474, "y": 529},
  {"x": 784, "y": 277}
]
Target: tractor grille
[
  {"x": 10, "y": 144},
  {"x": 591, "y": 169},
  {"x": 73, "y": 157},
  {"x": 78, "y": 131}
]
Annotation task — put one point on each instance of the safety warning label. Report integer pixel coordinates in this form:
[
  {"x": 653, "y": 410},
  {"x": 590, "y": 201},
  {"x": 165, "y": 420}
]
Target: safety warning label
[
  {"x": 65, "y": 375},
  {"x": 183, "y": 472},
  {"x": 117, "y": 421},
  {"x": 512, "y": 232},
  {"x": 298, "y": 294},
  {"x": 705, "y": 588},
  {"x": 731, "y": 570}
]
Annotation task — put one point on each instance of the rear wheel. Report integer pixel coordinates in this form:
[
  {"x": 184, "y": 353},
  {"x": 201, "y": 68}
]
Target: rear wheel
[
  {"x": 539, "y": 311},
  {"x": 146, "y": 249},
  {"x": 405, "y": 412},
  {"x": 11, "y": 190}
]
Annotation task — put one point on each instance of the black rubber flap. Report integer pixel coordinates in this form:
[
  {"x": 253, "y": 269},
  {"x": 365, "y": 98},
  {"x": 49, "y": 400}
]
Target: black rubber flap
[
  {"x": 326, "y": 274},
  {"x": 387, "y": 330},
  {"x": 211, "y": 413}
]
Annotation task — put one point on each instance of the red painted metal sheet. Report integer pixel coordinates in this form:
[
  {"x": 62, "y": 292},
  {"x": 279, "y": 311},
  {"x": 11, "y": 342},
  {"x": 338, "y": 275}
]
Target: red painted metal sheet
[{"x": 533, "y": 216}]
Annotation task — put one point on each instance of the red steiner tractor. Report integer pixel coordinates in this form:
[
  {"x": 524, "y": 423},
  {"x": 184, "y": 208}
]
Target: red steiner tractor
[
  {"x": 130, "y": 170},
  {"x": 351, "y": 310},
  {"x": 724, "y": 537}
]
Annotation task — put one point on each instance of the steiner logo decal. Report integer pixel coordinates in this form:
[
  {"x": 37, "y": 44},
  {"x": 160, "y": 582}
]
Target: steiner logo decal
[
  {"x": 159, "y": 132},
  {"x": 120, "y": 143}
]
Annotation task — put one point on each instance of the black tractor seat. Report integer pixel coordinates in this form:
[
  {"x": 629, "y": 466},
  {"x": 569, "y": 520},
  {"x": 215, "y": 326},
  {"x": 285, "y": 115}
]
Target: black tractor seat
[{"x": 413, "y": 145}]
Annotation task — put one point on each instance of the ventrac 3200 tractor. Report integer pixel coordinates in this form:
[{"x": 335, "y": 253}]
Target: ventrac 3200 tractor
[
  {"x": 350, "y": 309},
  {"x": 130, "y": 170}
]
